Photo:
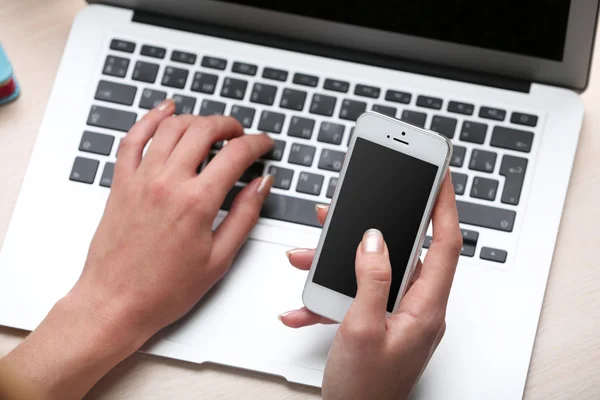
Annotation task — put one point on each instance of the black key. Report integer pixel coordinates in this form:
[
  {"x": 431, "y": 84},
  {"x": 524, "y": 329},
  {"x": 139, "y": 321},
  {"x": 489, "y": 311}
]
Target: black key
[
  {"x": 276, "y": 153},
  {"x": 484, "y": 189},
  {"x": 107, "y": 175},
  {"x": 244, "y": 68},
  {"x": 489, "y": 254},
  {"x": 184, "y": 104},
  {"x": 486, "y": 216},
  {"x": 275, "y": 74},
  {"x": 483, "y": 161},
  {"x": 210, "y": 107},
  {"x": 110, "y": 118},
  {"x": 473, "y": 132},
  {"x": 523, "y": 119},
  {"x": 214, "y": 62},
  {"x": 153, "y": 51},
  {"x": 234, "y": 88},
  {"x": 84, "y": 170},
  {"x": 331, "y": 133},
  {"x": 271, "y": 122},
  {"x": 430, "y": 102},
  {"x": 301, "y": 127},
  {"x": 309, "y": 183},
  {"x": 336, "y": 86},
  {"x": 427, "y": 242},
  {"x": 443, "y": 125},
  {"x": 293, "y": 99},
  {"x": 351, "y": 109},
  {"x": 414, "y": 118},
  {"x": 115, "y": 93},
  {"x": 175, "y": 77},
  {"x": 331, "y": 160},
  {"x": 301, "y": 154},
  {"x": 115, "y": 66},
  {"x": 263, "y": 94},
  {"x": 512, "y": 139},
  {"x": 204, "y": 83},
  {"x": 253, "y": 172},
  {"x": 467, "y": 250},
  {"x": 122, "y": 45},
  {"x": 306, "y": 80},
  {"x": 98, "y": 143},
  {"x": 513, "y": 169},
  {"x": 492, "y": 113},
  {"x": 398, "y": 97},
  {"x": 461, "y": 108},
  {"x": 282, "y": 208},
  {"x": 385, "y": 110},
  {"x": 460, "y": 182},
  {"x": 243, "y": 114},
  {"x": 469, "y": 236},
  {"x": 282, "y": 177},
  {"x": 458, "y": 156},
  {"x": 151, "y": 98},
  {"x": 331, "y": 188},
  {"x": 367, "y": 91},
  {"x": 145, "y": 72},
  {"x": 322, "y": 105}
]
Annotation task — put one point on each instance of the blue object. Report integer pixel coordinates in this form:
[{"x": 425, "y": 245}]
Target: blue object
[{"x": 6, "y": 73}]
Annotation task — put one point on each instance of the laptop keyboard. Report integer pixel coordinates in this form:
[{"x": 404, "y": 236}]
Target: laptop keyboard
[{"x": 311, "y": 119}]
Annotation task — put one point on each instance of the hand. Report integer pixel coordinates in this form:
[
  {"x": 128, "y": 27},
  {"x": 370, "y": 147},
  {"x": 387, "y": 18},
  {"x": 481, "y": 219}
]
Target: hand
[{"x": 374, "y": 356}]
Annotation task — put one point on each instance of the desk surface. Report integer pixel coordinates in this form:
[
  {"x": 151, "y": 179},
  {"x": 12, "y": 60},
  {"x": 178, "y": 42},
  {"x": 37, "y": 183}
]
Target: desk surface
[{"x": 566, "y": 358}]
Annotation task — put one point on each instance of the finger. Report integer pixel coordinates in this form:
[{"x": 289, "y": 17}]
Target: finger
[
  {"x": 243, "y": 215},
  {"x": 301, "y": 258},
  {"x": 168, "y": 134},
  {"x": 301, "y": 318},
  {"x": 197, "y": 141},
  {"x": 132, "y": 146},
  {"x": 229, "y": 164},
  {"x": 322, "y": 211}
]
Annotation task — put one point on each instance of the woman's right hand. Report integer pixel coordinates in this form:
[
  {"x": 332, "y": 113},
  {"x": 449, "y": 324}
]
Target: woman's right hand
[{"x": 379, "y": 357}]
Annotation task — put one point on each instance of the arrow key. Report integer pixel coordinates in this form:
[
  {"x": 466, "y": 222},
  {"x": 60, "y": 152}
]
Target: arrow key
[{"x": 487, "y": 253}]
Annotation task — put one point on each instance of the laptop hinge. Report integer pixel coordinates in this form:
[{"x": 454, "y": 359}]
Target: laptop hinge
[{"x": 332, "y": 52}]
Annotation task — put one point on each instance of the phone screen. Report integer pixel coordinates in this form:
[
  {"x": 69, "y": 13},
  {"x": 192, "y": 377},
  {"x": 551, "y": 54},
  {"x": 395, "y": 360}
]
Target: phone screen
[{"x": 382, "y": 189}]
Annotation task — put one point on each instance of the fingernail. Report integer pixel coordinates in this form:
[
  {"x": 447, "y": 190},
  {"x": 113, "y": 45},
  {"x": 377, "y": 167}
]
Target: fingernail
[
  {"x": 295, "y": 251},
  {"x": 320, "y": 207},
  {"x": 265, "y": 185},
  {"x": 280, "y": 316},
  {"x": 165, "y": 104},
  {"x": 372, "y": 241}
]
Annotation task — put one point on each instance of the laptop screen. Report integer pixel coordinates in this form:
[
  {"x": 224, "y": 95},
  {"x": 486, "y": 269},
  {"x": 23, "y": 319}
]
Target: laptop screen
[{"x": 534, "y": 28}]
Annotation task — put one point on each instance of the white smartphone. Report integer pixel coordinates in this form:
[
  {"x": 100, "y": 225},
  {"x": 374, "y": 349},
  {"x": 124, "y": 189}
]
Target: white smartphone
[{"x": 390, "y": 180}]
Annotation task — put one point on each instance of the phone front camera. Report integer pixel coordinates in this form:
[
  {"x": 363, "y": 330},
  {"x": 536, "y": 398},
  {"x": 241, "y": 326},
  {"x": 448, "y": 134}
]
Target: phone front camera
[
  {"x": 388, "y": 136},
  {"x": 403, "y": 133}
]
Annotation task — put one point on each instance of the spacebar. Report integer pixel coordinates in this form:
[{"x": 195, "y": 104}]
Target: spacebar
[
  {"x": 282, "y": 208},
  {"x": 486, "y": 216}
]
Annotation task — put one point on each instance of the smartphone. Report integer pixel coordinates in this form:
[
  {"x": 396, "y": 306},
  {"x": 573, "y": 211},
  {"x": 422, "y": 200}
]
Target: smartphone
[{"x": 390, "y": 180}]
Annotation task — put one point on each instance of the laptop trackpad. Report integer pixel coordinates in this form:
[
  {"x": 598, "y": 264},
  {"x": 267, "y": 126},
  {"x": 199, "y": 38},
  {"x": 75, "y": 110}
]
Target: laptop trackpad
[{"x": 239, "y": 315}]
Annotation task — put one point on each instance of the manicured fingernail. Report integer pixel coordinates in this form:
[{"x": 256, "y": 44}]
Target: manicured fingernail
[
  {"x": 165, "y": 104},
  {"x": 265, "y": 185},
  {"x": 372, "y": 241},
  {"x": 296, "y": 251},
  {"x": 319, "y": 207},
  {"x": 280, "y": 316}
]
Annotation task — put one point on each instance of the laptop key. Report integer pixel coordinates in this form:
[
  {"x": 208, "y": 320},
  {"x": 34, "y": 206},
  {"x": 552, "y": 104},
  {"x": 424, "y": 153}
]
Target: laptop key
[
  {"x": 330, "y": 132},
  {"x": 443, "y": 125},
  {"x": 322, "y": 105},
  {"x": 306, "y": 80},
  {"x": 352, "y": 109},
  {"x": 492, "y": 113},
  {"x": 367, "y": 91},
  {"x": 234, "y": 88},
  {"x": 107, "y": 175},
  {"x": 469, "y": 236},
  {"x": 115, "y": 66},
  {"x": 467, "y": 250},
  {"x": 484, "y": 188},
  {"x": 414, "y": 118},
  {"x": 275, "y": 74},
  {"x": 331, "y": 160},
  {"x": 483, "y": 161},
  {"x": 512, "y": 139},
  {"x": 458, "y": 156},
  {"x": 385, "y": 110},
  {"x": 153, "y": 51},
  {"x": 97, "y": 143},
  {"x": 244, "y": 68},
  {"x": 523, "y": 119},
  {"x": 331, "y": 188},
  {"x": 301, "y": 127},
  {"x": 490, "y": 254},
  {"x": 183, "y": 57},
  {"x": 473, "y": 132},
  {"x": 245, "y": 115},
  {"x": 175, "y": 77},
  {"x": 211, "y": 107},
  {"x": 336, "y": 86},
  {"x": 263, "y": 94},
  {"x": 214, "y": 63},
  {"x": 309, "y": 183},
  {"x": 253, "y": 172},
  {"x": 109, "y": 118},
  {"x": 204, "y": 83},
  {"x": 301, "y": 154},
  {"x": 271, "y": 122},
  {"x": 151, "y": 98},
  {"x": 84, "y": 170},
  {"x": 513, "y": 169},
  {"x": 459, "y": 181},
  {"x": 293, "y": 99},
  {"x": 282, "y": 177},
  {"x": 398, "y": 97},
  {"x": 145, "y": 72},
  {"x": 276, "y": 153},
  {"x": 115, "y": 93},
  {"x": 486, "y": 216},
  {"x": 461, "y": 108},
  {"x": 122, "y": 45},
  {"x": 184, "y": 104},
  {"x": 429, "y": 102}
]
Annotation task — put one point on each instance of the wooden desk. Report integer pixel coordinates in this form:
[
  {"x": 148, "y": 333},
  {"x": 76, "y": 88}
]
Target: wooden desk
[{"x": 566, "y": 359}]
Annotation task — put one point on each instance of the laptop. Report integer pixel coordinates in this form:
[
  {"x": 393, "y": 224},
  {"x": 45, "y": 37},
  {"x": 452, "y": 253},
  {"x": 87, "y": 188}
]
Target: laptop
[{"x": 499, "y": 80}]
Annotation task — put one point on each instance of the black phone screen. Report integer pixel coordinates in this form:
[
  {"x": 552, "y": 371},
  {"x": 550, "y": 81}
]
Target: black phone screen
[{"x": 382, "y": 189}]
